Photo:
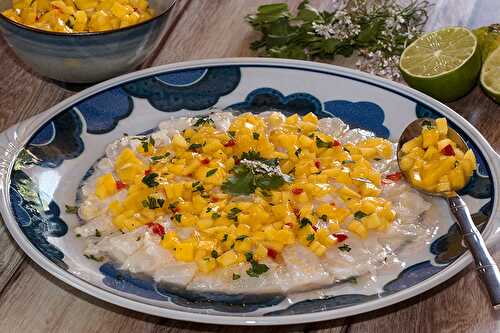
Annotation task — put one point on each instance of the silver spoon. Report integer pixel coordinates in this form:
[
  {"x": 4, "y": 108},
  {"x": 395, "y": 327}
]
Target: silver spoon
[{"x": 485, "y": 265}]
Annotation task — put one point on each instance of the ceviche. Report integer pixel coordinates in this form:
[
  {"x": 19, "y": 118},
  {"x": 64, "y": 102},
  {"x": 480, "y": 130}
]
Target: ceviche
[{"x": 249, "y": 203}]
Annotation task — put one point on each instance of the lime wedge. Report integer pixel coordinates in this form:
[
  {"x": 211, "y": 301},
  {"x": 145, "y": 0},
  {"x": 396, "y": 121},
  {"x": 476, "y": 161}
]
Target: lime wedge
[
  {"x": 488, "y": 39},
  {"x": 490, "y": 75},
  {"x": 444, "y": 64}
]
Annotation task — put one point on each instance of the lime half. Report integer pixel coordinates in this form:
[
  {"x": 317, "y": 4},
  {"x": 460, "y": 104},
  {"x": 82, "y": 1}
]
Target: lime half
[
  {"x": 490, "y": 75},
  {"x": 444, "y": 64}
]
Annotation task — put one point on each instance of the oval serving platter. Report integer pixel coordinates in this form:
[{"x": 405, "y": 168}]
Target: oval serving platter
[{"x": 46, "y": 159}]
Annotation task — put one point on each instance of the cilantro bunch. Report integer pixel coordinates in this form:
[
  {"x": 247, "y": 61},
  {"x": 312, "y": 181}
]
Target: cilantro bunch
[{"x": 385, "y": 27}]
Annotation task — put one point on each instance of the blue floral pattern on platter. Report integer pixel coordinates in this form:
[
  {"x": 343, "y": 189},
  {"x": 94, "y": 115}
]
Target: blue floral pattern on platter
[
  {"x": 265, "y": 99},
  {"x": 145, "y": 286},
  {"x": 201, "y": 94},
  {"x": 101, "y": 116},
  {"x": 364, "y": 115},
  {"x": 37, "y": 217},
  {"x": 57, "y": 141},
  {"x": 199, "y": 89}
]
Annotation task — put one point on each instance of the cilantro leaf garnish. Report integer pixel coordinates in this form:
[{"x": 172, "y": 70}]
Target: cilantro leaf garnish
[
  {"x": 71, "y": 209},
  {"x": 211, "y": 172},
  {"x": 323, "y": 144},
  {"x": 257, "y": 269},
  {"x": 233, "y": 213},
  {"x": 254, "y": 172},
  {"x": 304, "y": 221},
  {"x": 153, "y": 203},
  {"x": 236, "y": 276},
  {"x": 160, "y": 157},
  {"x": 242, "y": 237},
  {"x": 204, "y": 120},
  {"x": 195, "y": 146},
  {"x": 150, "y": 179},
  {"x": 255, "y": 135},
  {"x": 359, "y": 215},
  {"x": 345, "y": 248},
  {"x": 214, "y": 254}
]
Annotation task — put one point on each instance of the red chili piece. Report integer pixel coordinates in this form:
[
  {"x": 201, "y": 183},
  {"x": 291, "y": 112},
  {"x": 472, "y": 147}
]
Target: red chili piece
[
  {"x": 230, "y": 143},
  {"x": 317, "y": 164},
  {"x": 205, "y": 161},
  {"x": 147, "y": 172},
  {"x": 120, "y": 185},
  {"x": 272, "y": 253},
  {"x": 448, "y": 151},
  {"x": 394, "y": 176},
  {"x": 297, "y": 191},
  {"x": 341, "y": 237},
  {"x": 157, "y": 229},
  {"x": 336, "y": 143},
  {"x": 296, "y": 211},
  {"x": 315, "y": 228},
  {"x": 214, "y": 199}
]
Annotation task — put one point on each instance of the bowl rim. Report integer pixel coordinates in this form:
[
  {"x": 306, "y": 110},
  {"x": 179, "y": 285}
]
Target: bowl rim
[
  {"x": 490, "y": 234},
  {"x": 87, "y": 34}
]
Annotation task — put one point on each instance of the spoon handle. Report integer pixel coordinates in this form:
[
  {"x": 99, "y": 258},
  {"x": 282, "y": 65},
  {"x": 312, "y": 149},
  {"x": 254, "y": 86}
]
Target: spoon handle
[{"x": 485, "y": 265}]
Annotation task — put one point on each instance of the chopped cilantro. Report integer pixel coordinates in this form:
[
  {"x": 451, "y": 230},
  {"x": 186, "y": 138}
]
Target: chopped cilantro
[
  {"x": 344, "y": 162},
  {"x": 324, "y": 217},
  {"x": 150, "y": 180},
  {"x": 359, "y": 215},
  {"x": 304, "y": 221},
  {"x": 195, "y": 146},
  {"x": 236, "y": 276},
  {"x": 173, "y": 205},
  {"x": 211, "y": 172},
  {"x": 204, "y": 120},
  {"x": 197, "y": 187},
  {"x": 78, "y": 235},
  {"x": 323, "y": 144},
  {"x": 224, "y": 238},
  {"x": 346, "y": 150},
  {"x": 215, "y": 216},
  {"x": 257, "y": 269},
  {"x": 310, "y": 237},
  {"x": 249, "y": 256},
  {"x": 231, "y": 134},
  {"x": 160, "y": 157},
  {"x": 97, "y": 233},
  {"x": 214, "y": 254},
  {"x": 71, "y": 209},
  {"x": 177, "y": 218},
  {"x": 255, "y": 135},
  {"x": 92, "y": 257},
  {"x": 345, "y": 248},
  {"x": 233, "y": 213},
  {"x": 242, "y": 237},
  {"x": 153, "y": 203}
]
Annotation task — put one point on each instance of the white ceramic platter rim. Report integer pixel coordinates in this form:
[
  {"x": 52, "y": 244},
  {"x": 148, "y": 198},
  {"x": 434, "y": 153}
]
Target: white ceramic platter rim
[{"x": 24, "y": 133}]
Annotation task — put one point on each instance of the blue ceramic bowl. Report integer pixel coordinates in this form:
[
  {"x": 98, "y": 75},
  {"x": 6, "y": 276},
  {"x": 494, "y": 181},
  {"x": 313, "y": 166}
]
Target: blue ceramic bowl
[{"x": 86, "y": 57}]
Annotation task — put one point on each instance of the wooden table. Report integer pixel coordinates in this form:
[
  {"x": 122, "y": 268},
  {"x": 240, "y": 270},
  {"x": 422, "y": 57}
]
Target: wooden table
[{"x": 33, "y": 301}]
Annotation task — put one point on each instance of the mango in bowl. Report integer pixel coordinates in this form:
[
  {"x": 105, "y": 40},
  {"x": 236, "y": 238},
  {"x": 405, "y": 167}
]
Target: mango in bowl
[{"x": 83, "y": 41}]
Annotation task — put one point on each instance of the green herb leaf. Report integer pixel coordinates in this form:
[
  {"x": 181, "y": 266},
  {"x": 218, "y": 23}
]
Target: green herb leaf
[
  {"x": 211, "y": 172},
  {"x": 150, "y": 180},
  {"x": 160, "y": 157},
  {"x": 71, "y": 209},
  {"x": 205, "y": 120},
  {"x": 214, "y": 254},
  {"x": 359, "y": 215},
  {"x": 195, "y": 146},
  {"x": 324, "y": 217},
  {"x": 153, "y": 203},
  {"x": 304, "y": 221},
  {"x": 242, "y": 237},
  {"x": 233, "y": 213},
  {"x": 297, "y": 152},
  {"x": 257, "y": 269},
  {"x": 344, "y": 162},
  {"x": 215, "y": 216},
  {"x": 345, "y": 248},
  {"x": 224, "y": 238},
  {"x": 255, "y": 135},
  {"x": 97, "y": 233},
  {"x": 323, "y": 144},
  {"x": 310, "y": 237},
  {"x": 236, "y": 276},
  {"x": 178, "y": 217}
]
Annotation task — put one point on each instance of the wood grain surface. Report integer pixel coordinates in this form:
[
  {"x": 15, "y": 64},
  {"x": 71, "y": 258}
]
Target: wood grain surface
[{"x": 32, "y": 301}]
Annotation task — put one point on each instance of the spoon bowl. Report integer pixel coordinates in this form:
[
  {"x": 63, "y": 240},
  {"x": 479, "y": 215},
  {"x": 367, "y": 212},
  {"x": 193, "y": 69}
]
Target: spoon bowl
[
  {"x": 485, "y": 265},
  {"x": 413, "y": 130}
]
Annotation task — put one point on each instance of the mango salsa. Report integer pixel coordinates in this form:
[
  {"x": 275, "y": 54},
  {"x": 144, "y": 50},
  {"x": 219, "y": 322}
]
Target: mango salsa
[
  {"x": 72, "y": 16},
  {"x": 250, "y": 191},
  {"x": 435, "y": 163}
]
